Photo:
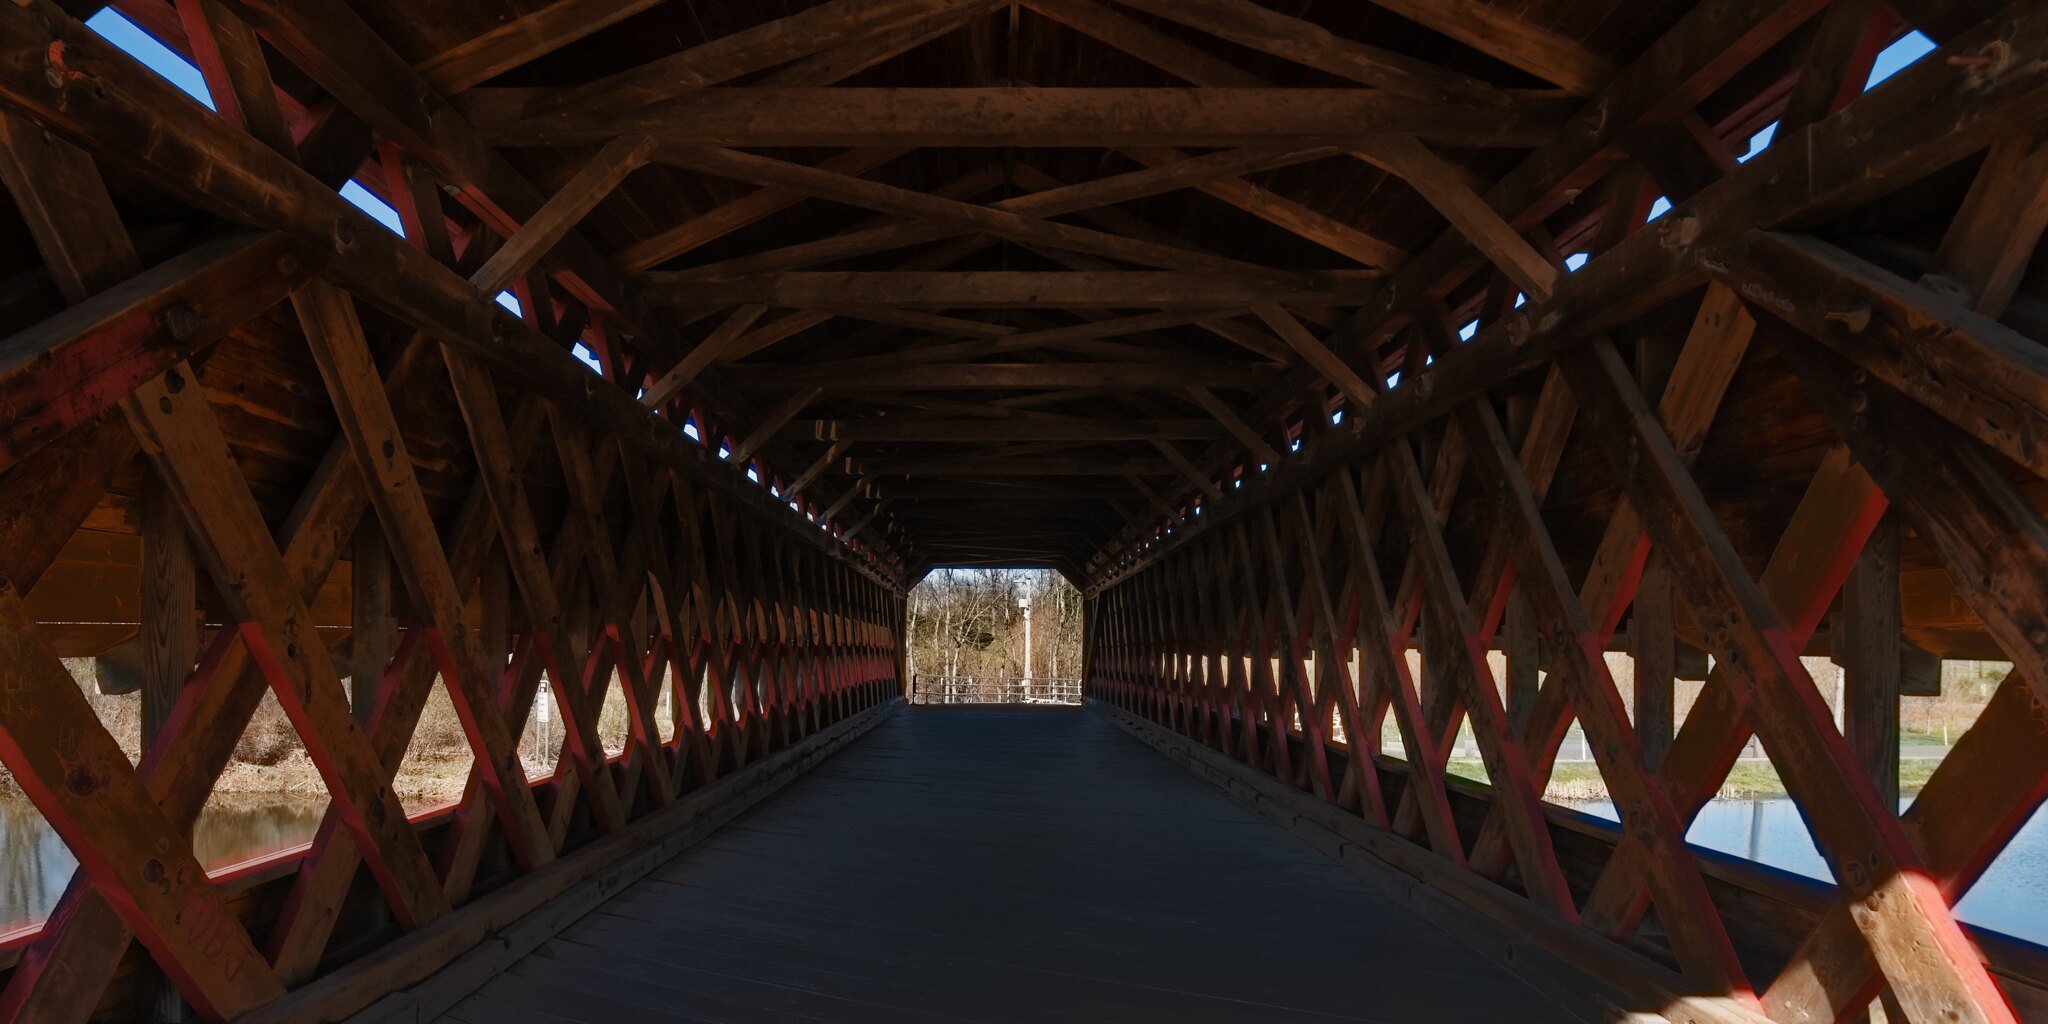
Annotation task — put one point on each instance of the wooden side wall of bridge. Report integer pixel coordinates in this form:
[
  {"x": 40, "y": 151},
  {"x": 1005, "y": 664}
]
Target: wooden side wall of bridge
[
  {"x": 500, "y": 514},
  {"x": 1276, "y": 626}
]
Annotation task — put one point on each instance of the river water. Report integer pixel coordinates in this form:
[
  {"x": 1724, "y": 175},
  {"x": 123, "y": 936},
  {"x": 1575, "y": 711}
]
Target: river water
[
  {"x": 2012, "y": 897},
  {"x": 35, "y": 865}
]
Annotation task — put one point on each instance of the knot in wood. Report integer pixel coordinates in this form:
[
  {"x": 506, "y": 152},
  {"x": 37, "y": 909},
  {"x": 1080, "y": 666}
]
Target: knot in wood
[
  {"x": 1855, "y": 877},
  {"x": 1855, "y": 318},
  {"x": 1986, "y": 63},
  {"x": 183, "y": 322},
  {"x": 1678, "y": 233},
  {"x": 57, "y": 70},
  {"x": 83, "y": 780}
]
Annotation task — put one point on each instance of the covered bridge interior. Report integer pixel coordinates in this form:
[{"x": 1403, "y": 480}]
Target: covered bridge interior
[{"x": 1362, "y": 363}]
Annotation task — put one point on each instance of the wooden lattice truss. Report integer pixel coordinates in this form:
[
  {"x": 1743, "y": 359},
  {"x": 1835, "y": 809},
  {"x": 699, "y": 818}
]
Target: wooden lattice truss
[
  {"x": 666, "y": 571},
  {"x": 1278, "y": 628}
]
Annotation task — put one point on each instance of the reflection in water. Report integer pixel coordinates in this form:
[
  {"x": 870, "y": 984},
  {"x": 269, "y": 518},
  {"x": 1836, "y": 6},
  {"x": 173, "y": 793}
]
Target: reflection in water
[
  {"x": 35, "y": 865},
  {"x": 2012, "y": 897}
]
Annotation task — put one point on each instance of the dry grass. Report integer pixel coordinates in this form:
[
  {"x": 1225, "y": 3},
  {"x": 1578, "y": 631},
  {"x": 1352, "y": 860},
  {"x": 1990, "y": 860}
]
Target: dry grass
[{"x": 270, "y": 759}]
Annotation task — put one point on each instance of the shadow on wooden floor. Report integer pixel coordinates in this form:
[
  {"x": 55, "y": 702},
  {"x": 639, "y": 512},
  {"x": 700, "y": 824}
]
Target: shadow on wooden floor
[{"x": 1002, "y": 864}]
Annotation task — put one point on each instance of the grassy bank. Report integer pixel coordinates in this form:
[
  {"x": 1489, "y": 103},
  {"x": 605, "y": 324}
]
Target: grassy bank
[{"x": 270, "y": 761}]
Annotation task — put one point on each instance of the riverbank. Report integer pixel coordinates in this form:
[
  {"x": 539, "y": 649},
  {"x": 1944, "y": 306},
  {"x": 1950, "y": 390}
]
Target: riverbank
[
  {"x": 269, "y": 763},
  {"x": 421, "y": 783},
  {"x": 1574, "y": 781}
]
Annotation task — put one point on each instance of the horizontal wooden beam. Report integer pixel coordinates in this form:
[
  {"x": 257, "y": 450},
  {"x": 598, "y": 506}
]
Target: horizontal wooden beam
[
  {"x": 962, "y": 216},
  {"x": 955, "y": 490},
  {"x": 1047, "y": 117},
  {"x": 967, "y": 431},
  {"x": 1019, "y": 466},
  {"x": 962, "y": 376},
  {"x": 1264, "y": 29},
  {"x": 59, "y": 373},
  {"x": 1052, "y": 200},
  {"x": 824, "y": 26},
  {"x": 1980, "y": 375},
  {"x": 996, "y": 289},
  {"x": 1513, "y": 37},
  {"x": 955, "y": 520}
]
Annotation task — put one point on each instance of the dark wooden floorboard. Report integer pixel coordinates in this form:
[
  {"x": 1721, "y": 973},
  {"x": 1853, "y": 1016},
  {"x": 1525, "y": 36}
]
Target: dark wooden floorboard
[{"x": 1002, "y": 865}]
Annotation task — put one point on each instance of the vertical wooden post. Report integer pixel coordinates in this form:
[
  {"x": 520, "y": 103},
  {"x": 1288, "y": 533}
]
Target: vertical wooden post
[
  {"x": 1653, "y": 640},
  {"x": 1652, "y": 635},
  {"x": 495, "y": 626},
  {"x": 170, "y": 646},
  {"x": 1518, "y": 635},
  {"x": 169, "y": 609},
  {"x": 373, "y": 634},
  {"x": 1524, "y": 658},
  {"x": 1867, "y": 646}
]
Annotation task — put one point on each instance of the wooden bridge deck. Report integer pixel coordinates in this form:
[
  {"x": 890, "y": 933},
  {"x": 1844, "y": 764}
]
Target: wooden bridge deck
[{"x": 1021, "y": 864}]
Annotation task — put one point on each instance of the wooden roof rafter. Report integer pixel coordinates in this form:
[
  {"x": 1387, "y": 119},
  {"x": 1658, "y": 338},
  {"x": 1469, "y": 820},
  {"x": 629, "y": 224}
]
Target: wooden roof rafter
[{"x": 1658, "y": 267}]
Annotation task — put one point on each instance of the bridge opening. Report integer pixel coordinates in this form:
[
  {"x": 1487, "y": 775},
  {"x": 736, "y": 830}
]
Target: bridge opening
[{"x": 994, "y": 636}]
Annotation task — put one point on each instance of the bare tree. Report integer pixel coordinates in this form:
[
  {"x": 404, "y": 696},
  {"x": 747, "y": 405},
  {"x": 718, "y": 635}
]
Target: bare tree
[{"x": 968, "y": 622}]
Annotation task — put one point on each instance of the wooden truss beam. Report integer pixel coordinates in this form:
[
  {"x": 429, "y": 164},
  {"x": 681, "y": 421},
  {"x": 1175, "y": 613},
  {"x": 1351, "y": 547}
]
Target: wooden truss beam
[
  {"x": 220, "y": 169},
  {"x": 57, "y": 374},
  {"x": 346, "y": 57},
  {"x": 966, "y": 216},
  {"x": 977, "y": 376},
  {"x": 1845, "y": 162},
  {"x": 1304, "y": 42},
  {"x": 775, "y": 117},
  {"x": 935, "y": 430},
  {"x": 996, "y": 289},
  {"x": 940, "y": 220},
  {"x": 1284, "y": 213},
  {"x": 560, "y": 214},
  {"x": 1905, "y": 917},
  {"x": 1017, "y": 466},
  {"x": 825, "y": 26}
]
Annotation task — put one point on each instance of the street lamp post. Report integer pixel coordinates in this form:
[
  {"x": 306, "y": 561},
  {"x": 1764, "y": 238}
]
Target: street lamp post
[{"x": 1024, "y": 603}]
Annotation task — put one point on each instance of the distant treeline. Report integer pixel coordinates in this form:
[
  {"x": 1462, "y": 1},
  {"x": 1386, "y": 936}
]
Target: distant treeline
[{"x": 968, "y": 622}]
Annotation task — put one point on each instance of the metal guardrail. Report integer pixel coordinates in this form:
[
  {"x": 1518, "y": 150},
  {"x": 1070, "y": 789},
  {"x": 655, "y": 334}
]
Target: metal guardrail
[{"x": 993, "y": 690}]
